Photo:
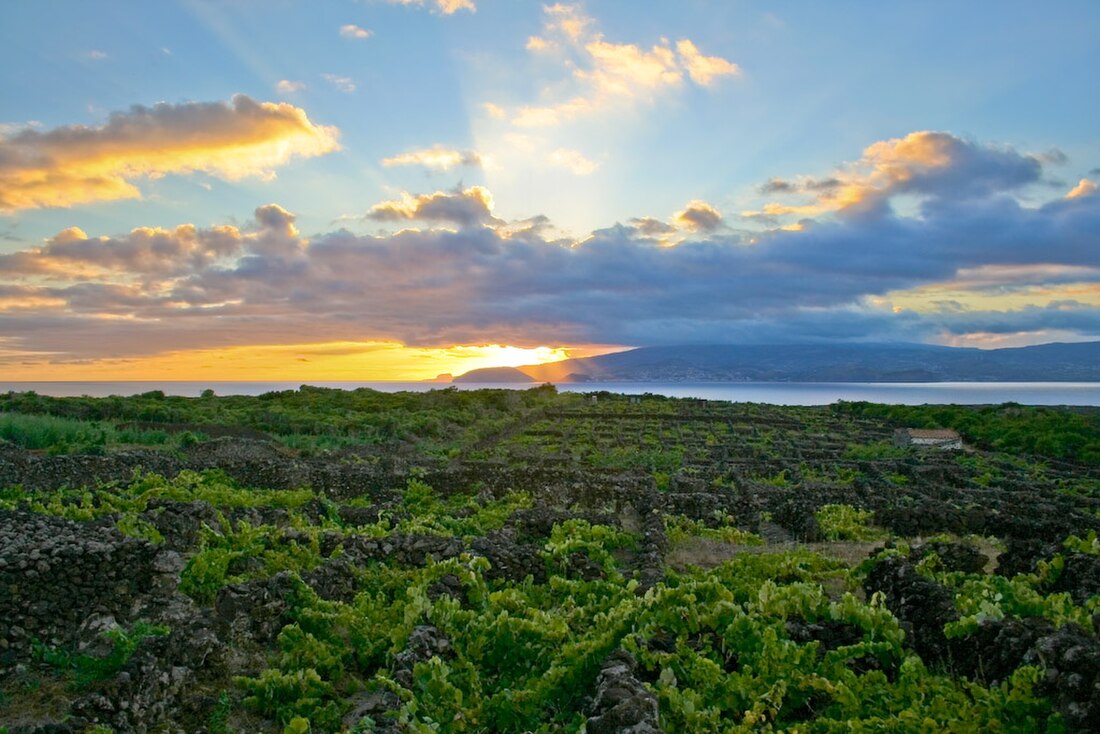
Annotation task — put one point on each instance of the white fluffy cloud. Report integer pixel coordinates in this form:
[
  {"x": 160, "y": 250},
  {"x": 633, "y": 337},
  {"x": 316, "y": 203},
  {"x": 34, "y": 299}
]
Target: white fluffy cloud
[
  {"x": 606, "y": 73},
  {"x": 355, "y": 32},
  {"x": 288, "y": 86}
]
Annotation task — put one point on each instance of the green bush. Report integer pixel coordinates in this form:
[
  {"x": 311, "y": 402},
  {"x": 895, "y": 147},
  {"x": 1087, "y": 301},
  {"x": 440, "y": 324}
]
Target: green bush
[
  {"x": 86, "y": 670},
  {"x": 844, "y": 522}
]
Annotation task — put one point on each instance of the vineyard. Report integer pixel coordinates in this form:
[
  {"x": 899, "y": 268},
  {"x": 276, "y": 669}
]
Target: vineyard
[{"x": 514, "y": 561}]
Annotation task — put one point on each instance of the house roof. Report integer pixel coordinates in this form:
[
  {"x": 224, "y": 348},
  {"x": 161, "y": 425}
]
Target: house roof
[{"x": 944, "y": 433}]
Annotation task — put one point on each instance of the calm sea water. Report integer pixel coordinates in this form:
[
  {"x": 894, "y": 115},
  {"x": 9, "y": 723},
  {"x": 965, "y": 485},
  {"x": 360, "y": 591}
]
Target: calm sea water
[{"x": 776, "y": 393}]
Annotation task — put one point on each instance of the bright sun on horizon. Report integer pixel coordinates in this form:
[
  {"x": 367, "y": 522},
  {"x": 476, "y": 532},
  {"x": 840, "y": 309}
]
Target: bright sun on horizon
[
  {"x": 334, "y": 361},
  {"x": 394, "y": 190}
]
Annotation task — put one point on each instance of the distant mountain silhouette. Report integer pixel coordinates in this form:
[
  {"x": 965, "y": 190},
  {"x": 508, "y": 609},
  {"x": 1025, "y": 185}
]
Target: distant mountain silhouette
[
  {"x": 817, "y": 363},
  {"x": 495, "y": 374}
]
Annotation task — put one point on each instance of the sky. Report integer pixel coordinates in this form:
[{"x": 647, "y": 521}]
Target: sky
[{"x": 399, "y": 189}]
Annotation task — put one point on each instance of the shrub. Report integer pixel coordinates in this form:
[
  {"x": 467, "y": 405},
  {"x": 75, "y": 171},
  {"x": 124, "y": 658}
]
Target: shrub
[{"x": 844, "y": 522}]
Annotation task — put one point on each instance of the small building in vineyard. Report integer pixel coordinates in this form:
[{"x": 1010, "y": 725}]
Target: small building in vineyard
[{"x": 935, "y": 438}]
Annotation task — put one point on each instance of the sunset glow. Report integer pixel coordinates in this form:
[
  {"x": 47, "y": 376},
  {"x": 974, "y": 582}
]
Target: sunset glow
[
  {"x": 394, "y": 190},
  {"x": 334, "y": 361}
]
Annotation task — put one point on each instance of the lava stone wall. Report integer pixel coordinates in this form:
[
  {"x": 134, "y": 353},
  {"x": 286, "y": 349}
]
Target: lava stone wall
[{"x": 55, "y": 573}]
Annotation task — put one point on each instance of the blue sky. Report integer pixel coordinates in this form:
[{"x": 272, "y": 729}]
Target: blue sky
[{"x": 573, "y": 176}]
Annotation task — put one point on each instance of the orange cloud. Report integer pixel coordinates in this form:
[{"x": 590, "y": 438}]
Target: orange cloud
[
  {"x": 1083, "y": 188},
  {"x": 31, "y": 302},
  {"x": 78, "y": 164},
  {"x": 1002, "y": 288},
  {"x": 925, "y": 163}
]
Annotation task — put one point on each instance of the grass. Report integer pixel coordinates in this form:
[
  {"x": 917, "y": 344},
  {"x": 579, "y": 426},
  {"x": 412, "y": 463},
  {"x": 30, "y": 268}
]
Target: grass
[
  {"x": 68, "y": 435},
  {"x": 28, "y": 700}
]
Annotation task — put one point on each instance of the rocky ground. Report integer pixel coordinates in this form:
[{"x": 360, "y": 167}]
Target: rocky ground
[{"x": 138, "y": 654}]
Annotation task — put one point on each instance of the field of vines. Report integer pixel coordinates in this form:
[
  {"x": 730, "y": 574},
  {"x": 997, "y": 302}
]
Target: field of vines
[{"x": 528, "y": 561}]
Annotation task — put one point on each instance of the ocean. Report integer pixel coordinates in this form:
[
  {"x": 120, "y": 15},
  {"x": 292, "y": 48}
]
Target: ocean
[{"x": 775, "y": 393}]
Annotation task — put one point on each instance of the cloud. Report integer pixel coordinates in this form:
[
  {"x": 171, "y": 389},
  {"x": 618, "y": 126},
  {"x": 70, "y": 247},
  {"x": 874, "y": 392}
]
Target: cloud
[
  {"x": 1083, "y": 188},
  {"x": 77, "y": 164},
  {"x": 534, "y": 229},
  {"x": 436, "y": 158},
  {"x": 150, "y": 251},
  {"x": 777, "y": 186},
  {"x": 1068, "y": 317},
  {"x": 623, "y": 69},
  {"x": 572, "y": 161},
  {"x": 703, "y": 70},
  {"x": 494, "y": 111},
  {"x": 821, "y": 184},
  {"x": 153, "y": 253},
  {"x": 941, "y": 164},
  {"x": 1053, "y": 157},
  {"x": 567, "y": 21},
  {"x": 699, "y": 216},
  {"x": 551, "y": 115},
  {"x": 9, "y": 129},
  {"x": 651, "y": 226},
  {"x": 604, "y": 73},
  {"x": 467, "y": 208},
  {"x": 445, "y": 7},
  {"x": 449, "y": 7},
  {"x": 535, "y": 43},
  {"x": 96, "y": 55},
  {"x": 934, "y": 165},
  {"x": 967, "y": 268},
  {"x": 286, "y": 86},
  {"x": 355, "y": 32},
  {"x": 343, "y": 84}
]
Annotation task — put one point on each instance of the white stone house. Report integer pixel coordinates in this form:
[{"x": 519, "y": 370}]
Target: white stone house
[{"x": 936, "y": 438}]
